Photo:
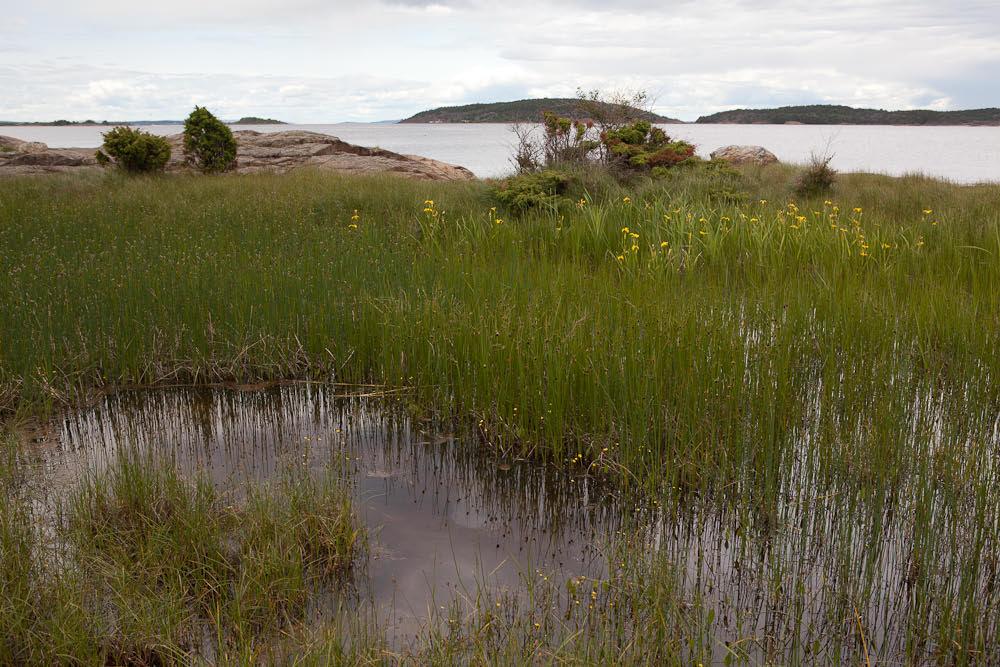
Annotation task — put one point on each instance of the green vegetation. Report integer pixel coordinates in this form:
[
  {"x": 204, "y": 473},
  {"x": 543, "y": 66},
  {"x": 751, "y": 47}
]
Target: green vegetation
[
  {"x": 254, "y": 120},
  {"x": 134, "y": 151},
  {"x": 208, "y": 143},
  {"x": 830, "y": 114},
  {"x": 817, "y": 373},
  {"x": 147, "y": 568},
  {"x": 524, "y": 111}
]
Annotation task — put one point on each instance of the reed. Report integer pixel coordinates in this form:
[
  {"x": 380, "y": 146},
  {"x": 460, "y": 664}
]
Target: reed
[{"x": 823, "y": 365}]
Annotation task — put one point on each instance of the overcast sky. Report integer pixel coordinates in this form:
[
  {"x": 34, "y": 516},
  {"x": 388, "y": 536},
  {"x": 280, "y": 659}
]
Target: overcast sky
[{"x": 365, "y": 60}]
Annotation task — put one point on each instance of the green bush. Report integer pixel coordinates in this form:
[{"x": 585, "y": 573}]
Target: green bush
[
  {"x": 817, "y": 178},
  {"x": 208, "y": 143},
  {"x": 641, "y": 146},
  {"x": 543, "y": 188},
  {"x": 133, "y": 150}
]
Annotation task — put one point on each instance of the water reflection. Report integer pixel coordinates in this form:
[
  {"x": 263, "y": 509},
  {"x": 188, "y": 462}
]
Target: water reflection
[{"x": 444, "y": 518}]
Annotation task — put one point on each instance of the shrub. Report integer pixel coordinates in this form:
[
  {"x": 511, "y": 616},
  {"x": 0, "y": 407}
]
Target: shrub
[
  {"x": 616, "y": 137},
  {"x": 208, "y": 143},
  {"x": 523, "y": 191},
  {"x": 640, "y": 146},
  {"x": 817, "y": 178},
  {"x": 133, "y": 150}
]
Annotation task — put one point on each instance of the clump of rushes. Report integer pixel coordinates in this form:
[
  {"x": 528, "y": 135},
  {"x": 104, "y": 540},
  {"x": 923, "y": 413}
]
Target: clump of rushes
[
  {"x": 170, "y": 561},
  {"x": 817, "y": 177},
  {"x": 636, "y": 615}
]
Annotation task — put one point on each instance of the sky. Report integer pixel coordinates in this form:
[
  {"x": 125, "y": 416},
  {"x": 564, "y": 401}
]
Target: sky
[{"x": 324, "y": 61}]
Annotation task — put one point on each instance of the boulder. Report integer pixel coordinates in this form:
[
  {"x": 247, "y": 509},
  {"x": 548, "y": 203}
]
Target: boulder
[
  {"x": 275, "y": 152},
  {"x": 14, "y": 145},
  {"x": 744, "y": 155}
]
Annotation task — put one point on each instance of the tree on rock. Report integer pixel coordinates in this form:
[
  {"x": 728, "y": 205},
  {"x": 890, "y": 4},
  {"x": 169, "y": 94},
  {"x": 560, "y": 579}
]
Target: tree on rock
[
  {"x": 133, "y": 150},
  {"x": 208, "y": 143}
]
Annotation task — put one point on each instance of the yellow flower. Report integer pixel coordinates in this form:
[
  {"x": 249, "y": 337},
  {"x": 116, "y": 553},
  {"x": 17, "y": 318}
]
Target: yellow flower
[
  {"x": 857, "y": 209},
  {"x": 428, "y": 210},
  {"x": 428, "y": 202},
  {"x": 927, "y": 211},
  {"x": 634, "y": 235},
  {"x": 763, "y": 202},
  {"x": 635, "y": 248},
  {"x": 352, "y": 226},
  {"x": 626, "y": 200},
  {"x": 664, "y": 244},
  {"x": 620, "y": 258},
  {"x": 624, "y": 230},
  {"x": 499, "y": 221}
]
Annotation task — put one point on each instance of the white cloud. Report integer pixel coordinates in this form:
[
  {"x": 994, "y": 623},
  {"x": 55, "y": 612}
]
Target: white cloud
[{"x": 317, "y": 60}]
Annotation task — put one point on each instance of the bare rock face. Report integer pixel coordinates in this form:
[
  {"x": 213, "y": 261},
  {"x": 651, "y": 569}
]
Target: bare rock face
[
  {"x": 275, "y": 152},
  {"x": 744, "y": 155}
]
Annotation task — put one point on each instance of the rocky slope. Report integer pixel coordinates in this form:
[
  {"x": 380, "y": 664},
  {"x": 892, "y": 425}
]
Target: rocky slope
[{"x": 257, "y": 151}]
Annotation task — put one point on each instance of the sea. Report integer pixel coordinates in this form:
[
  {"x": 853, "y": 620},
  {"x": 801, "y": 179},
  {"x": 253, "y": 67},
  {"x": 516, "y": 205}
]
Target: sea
[{"x": 959, "y": 154}]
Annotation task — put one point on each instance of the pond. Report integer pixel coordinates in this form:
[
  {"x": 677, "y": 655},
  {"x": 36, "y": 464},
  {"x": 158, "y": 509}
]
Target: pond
[{"x": 822, "y": 577}]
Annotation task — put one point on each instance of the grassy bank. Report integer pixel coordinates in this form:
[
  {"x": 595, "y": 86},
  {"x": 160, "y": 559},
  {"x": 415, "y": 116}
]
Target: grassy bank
[{"x": 821, "y": 373}]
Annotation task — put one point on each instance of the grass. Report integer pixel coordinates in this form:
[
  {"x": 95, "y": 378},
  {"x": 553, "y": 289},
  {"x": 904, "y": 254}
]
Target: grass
[
  {"x": 817, "y": 373},
  {"x": 147, "y": 568}
]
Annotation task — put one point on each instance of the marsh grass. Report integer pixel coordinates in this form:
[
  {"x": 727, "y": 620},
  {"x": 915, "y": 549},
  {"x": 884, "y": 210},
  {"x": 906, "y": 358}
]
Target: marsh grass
[
  {"x": 822, "y": 367},
  {"x": 151, "y": 568}
]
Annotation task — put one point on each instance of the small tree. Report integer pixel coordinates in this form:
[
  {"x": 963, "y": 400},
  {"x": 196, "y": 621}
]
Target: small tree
[
  {"x": 610, "y": 112},
  {"x": 133, "y": 150},
  {"x": 640, "y": 145},
  {"x": 208, "y": 143}
]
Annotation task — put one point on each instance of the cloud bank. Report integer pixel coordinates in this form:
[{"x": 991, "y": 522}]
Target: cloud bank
[{"x": 323, "y": 61}]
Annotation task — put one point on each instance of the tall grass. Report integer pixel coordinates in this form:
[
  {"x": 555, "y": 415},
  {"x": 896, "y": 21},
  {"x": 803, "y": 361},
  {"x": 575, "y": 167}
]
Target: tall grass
[
  {"x": 147, "y": 568},
  {"x": 824, "y": 366}
]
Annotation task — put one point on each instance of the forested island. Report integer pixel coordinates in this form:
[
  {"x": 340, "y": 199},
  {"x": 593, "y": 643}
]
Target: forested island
[
  {"x": 254, "y": 120},
  {"x": 526, "y": 111},
  {"x": 69, "y": 123},
  {"x": 830, "y": 114},
  {"x": 246, "y": 120}
]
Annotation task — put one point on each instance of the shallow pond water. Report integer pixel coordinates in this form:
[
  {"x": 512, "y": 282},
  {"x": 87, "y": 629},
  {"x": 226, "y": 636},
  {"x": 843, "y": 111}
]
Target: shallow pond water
[
  {"x": 822, "y": 574},
  {"x": 443, "y": 518}
]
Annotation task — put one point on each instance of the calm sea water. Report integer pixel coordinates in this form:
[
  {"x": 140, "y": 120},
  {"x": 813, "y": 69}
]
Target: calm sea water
[{"x": 961, "y": 154}]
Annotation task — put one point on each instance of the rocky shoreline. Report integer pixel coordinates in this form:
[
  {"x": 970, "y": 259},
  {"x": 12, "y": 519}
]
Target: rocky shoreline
[{"x": 274, "y": 152}]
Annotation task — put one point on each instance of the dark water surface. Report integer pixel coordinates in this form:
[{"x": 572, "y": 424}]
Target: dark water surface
[
  {"x": 823, "y": 577},
  {"x": 443, "y": 516}
]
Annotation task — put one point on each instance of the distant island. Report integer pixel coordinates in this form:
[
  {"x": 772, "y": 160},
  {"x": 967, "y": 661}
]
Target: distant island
[
  {"x": 246, "y": 120},
  {"x": 65, "y": 123},
  {"x": 521, "y": 111},
  {"x": 254, "y": 120},
  {"x": 828, "y": 114}
]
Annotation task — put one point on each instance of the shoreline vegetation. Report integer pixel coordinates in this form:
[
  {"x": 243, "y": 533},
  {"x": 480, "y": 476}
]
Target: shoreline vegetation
[
  {"x": 530, "y": 111},
  {"x": 247, "y": 120},
  {"x": 797, "y": 361}
]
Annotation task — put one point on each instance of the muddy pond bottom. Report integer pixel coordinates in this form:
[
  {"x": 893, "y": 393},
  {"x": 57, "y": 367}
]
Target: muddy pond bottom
[{"x": 444, "y": 517}]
